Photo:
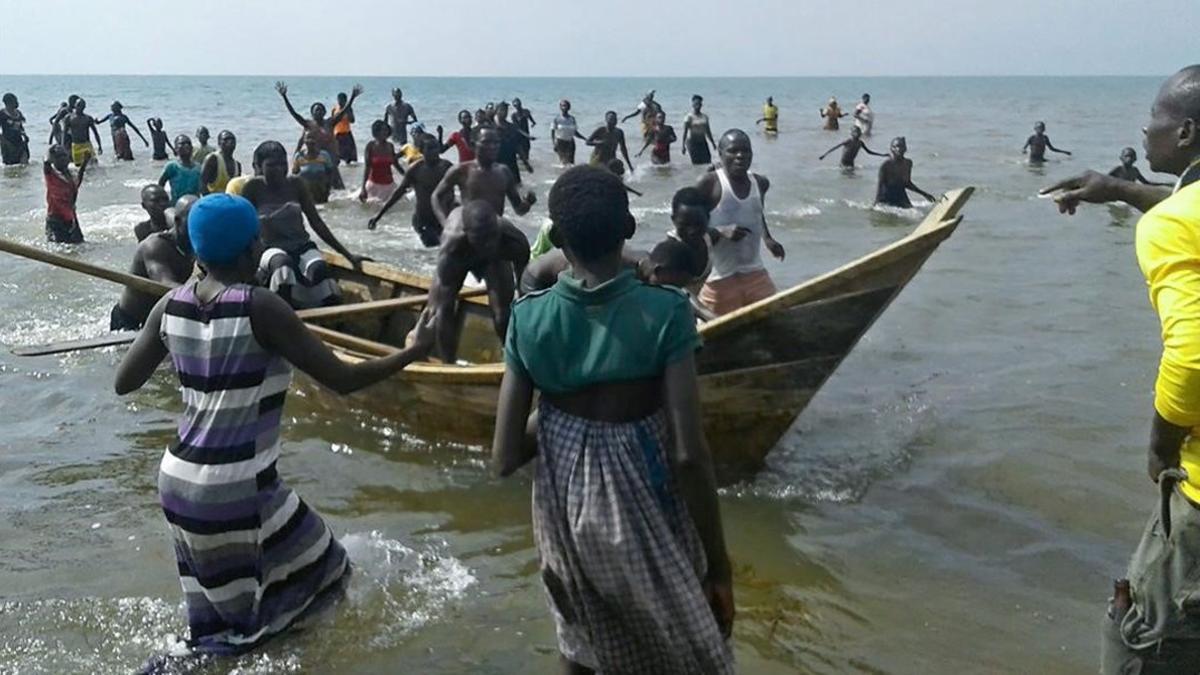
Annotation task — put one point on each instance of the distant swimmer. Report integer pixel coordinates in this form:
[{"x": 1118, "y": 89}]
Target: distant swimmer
[
  {"x": 201, "y": 151},
  {"x": 14, "y": 142},
  {"x": 62, "y": 193},
  {"x": 343, "y": 134},
  {"x": 697, "y": 133},
  {"x": 850, "y": 148},
  {"x": 159, "y": 139},
  {"x": 831, "y": 113},
  {"x": 737, "y": 217},
  {"x": 606, "y": 140},
  {"x": 315, "y": 166},
  {"x": 164, "y": 256},
  {"x": 182, "y": 174},
  {"x": 155, "y": 202},
  {"x": 118, "y": 123},
  {"x": 321, "y": 127},
  {"x": 79, "y": 124},
  {"x": 648, "y": 109},
  {"x": 462, "y": 139},
  {"x": 292, "y": 265},
  {"x": 480, "y": 242},
  {"x": 482, "y": 179},
  {"x": 1127, "y": 170},
  {"x": 220, "y": 167},
  {"x": 563, "y": 132},
  {"x": 864, "y": 117},
  {"x": 524, "y": 121},
  {"x": 895, "y": 178},
  {"x": 770, "y": 116},
  {"x": 1037, "y": 145},
  {"x": 379, "y": 160},
  {"x": 423, "y": 177},
  {"x": 399, "y": 114},
  {"x": 661, "y": 136}
]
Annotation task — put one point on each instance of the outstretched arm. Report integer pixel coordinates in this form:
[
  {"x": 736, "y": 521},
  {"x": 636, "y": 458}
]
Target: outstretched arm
[
  {"x": 872, "y": 152},
  {"x": 1054, "y": 149},
  {"x": 354, "y": 93},
  {"x": 283, "y": 92},
  {"x": 397, "y": 194},
  {"x": 278, "y": 329},
  {"x": 1096, "y": 188},
  {"x": 912, "y": 186},
  {"x": 318, "y": 224},
  {"x": 630, "y": 116},
  {"x": 839, "y": 145},
  {"x": 138, "y": 132}
]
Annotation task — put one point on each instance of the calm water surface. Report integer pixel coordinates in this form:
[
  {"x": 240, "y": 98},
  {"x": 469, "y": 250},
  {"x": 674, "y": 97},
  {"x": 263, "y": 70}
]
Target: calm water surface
[{"x": 956, "y": 499}]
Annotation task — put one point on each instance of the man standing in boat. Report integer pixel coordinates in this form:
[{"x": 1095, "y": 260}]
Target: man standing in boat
[
  {"x": 163, "y": 256},
  {"x": 739, "y": 226},
  {"x": 1151, "y": 626},
  {"x": 476, "y": 240}
]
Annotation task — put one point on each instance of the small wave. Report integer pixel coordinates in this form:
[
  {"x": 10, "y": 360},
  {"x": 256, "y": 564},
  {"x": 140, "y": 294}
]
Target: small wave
[{"x": 801, "y": 211}]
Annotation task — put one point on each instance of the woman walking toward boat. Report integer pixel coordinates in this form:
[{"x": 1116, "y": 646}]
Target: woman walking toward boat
[
  {"x": 625, "y": 511},
  {"x": 697, "y": 134},
  {"x": 252, "y": 556}
]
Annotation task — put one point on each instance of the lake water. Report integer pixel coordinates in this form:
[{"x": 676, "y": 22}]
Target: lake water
[{"x": 956, "y": 499}]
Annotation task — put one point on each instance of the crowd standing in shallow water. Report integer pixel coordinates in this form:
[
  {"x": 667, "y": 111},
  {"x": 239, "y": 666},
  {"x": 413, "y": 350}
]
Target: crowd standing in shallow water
[{"x": 659, "y": 534}]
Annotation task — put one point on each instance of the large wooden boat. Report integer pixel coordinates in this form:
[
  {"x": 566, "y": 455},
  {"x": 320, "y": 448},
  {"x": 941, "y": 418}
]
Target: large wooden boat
[{"x": 759, "y": 368}]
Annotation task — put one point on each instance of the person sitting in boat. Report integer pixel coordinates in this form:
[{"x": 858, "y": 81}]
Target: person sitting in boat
[
  {"x": 739, "y": 228},
  {"x": 895, "y": 178},
  {"x": 625, "y": 512},
  {"x": 163, "y": 256},
  {"x": 251, "y": 556},
  {"x": 291, "y": 265},
  {"x": 155, "y": 202},
  {"x": 479, "y": 241}
]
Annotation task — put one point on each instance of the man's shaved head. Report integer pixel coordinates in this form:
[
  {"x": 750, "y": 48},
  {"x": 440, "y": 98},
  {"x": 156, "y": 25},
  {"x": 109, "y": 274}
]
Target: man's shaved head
[
  {"x": 730, "y": 136},
  {"x": 1172, "y": 138},
  {"x": 1180, "y": 94}
]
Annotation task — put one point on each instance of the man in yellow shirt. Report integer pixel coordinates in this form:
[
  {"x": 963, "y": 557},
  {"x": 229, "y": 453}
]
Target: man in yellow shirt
[
  {"x": 770, "y": 116},
  {"x": 1153, "y": 623}
]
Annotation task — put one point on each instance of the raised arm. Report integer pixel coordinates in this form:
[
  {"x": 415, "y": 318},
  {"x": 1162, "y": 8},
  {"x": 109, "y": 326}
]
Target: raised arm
[
  {"x": 354, "y": 93},
  {"x": 281, "y": 87},
  {"x": 278, "y": 329}
]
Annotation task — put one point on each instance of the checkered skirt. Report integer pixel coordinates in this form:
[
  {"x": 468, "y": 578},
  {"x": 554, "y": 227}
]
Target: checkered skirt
[{"x": 622, "y": 562}]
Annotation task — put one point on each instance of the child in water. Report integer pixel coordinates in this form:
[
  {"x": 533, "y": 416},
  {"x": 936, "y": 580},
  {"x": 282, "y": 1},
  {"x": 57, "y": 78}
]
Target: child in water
[
  {"x": 1127, "y": 171},
  {"x": 625, "y": 511},
  {"x": 159, "y": 138},
  {"x": 62, "y": 191}
]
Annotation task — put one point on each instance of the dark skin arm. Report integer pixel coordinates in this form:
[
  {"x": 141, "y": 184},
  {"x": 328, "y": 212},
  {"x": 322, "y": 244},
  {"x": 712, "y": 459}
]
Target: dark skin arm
[
  {"x": 278, "y": 329},
  {"x": 443, "y": 301},
  {"x": 96, "y": 135},
  {"x": 318, "y": 224},
  {"x": 1051, "y": 147},
  {"x": 354, "y": 93},
  {"x": 827, "y": 152},
  {"x": 445, "y": 189},
  {"x": 520, "y": 204},
  {"x": 138, "y": 132},
  {"x": 1096, "y": 188},
  {"x": 518, "y": 248},
  {"x": 870, "y": 151},
  {"x": 597, "y": 138},
  {"x": 283, "y": 90},
  {"x": 512, "y": 446},
  {"x": 692, "y": 461},
  {"x": 397, "y": 195},
  {"x": 624, "y": 150},
  {"x": 209, "y": 172},
  {"x": 773, "y": 246},
  {"x": 1166, "y": 441}
]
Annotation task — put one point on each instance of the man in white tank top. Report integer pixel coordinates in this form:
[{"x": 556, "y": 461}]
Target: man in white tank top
[{"x": 739, "y": 228}]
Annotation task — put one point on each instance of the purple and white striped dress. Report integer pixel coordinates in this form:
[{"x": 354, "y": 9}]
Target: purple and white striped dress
[{"x": 252, "y": 556}]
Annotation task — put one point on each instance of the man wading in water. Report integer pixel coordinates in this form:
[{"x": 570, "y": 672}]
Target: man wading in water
[{"x": 1148, "y": 629}]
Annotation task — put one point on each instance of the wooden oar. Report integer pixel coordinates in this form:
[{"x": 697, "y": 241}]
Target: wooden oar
[
  {"x": 110, "y": 340},
  {"x": 157, "y": 289}
]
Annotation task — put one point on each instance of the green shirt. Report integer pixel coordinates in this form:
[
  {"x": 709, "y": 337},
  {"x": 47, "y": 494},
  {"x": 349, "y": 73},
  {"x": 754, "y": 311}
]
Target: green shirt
[{"x": 568, "y": 337}]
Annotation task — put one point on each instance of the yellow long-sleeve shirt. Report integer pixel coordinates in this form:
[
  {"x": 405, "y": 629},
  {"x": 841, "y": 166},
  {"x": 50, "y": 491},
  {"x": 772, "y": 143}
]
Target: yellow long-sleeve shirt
[{"x": 1168, "y": 251}]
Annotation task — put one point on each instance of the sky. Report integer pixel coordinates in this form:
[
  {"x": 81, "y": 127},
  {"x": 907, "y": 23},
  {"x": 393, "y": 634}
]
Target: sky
[{"x": 603, "y": 38}]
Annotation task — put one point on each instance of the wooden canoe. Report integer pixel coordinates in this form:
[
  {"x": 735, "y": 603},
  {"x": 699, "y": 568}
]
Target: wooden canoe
[{"x": 759, "y": 368}]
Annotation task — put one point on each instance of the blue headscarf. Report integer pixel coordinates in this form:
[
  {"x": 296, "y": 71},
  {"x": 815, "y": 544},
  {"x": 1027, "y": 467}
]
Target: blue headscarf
[{"x": 221, "y": 226}]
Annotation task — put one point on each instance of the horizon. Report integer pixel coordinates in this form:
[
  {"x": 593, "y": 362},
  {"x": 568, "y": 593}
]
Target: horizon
[{"x": 939, "y": 76}]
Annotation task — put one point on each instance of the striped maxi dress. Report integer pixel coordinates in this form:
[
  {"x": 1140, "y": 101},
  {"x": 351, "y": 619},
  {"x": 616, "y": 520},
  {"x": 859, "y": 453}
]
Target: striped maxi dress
[{"x": 252, "y": 556}]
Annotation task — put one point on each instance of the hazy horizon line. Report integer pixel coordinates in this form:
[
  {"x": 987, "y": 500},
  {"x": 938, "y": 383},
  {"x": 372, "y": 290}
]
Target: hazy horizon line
[{"x": 604, "y": 77}]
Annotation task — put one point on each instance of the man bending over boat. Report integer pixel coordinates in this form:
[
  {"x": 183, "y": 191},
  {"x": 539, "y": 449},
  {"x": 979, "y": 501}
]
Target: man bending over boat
[
  {"x": 162, "y": 256},
  {"x": 738, "y": 225},
  {"x": 479, "y": 241},
  {"x": 482, "y": 179}
]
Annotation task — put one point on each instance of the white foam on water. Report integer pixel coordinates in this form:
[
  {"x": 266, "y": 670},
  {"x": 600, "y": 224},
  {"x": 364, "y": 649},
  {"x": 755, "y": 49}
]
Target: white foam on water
[{"x": 114, "y": 221}]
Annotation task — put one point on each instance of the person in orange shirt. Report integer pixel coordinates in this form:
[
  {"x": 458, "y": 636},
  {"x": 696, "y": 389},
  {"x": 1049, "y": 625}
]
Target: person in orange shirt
[{"x": 346, "y": 147}]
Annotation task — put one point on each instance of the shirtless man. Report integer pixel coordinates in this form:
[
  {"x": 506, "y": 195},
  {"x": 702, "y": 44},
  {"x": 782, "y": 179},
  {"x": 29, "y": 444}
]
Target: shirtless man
[
  {"x": 1127, "y": 170},
  {"x": 1037, "y": 144},
  {"x": 482, "y": 179},
  {"x": 155, "y": 202},
  {"x": 477, "y": 240},
  {"x": 864, "y": 117},
  {"x": 511, "y": 141},
  {"x": 163, "y": 256},
  {"x": 423, "y": 177},
  {"x": 850, "y": 148},
  {"x": 399, "y": 114},
  {"x": 606, "y": 140},
  {"x": 895, "y": 178},
  {"x": 523, "y": 119},
  {"x": 78, "y": 124}
]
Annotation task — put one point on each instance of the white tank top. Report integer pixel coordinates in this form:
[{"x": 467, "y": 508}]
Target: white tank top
[{"x": 737, "y": 257}]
